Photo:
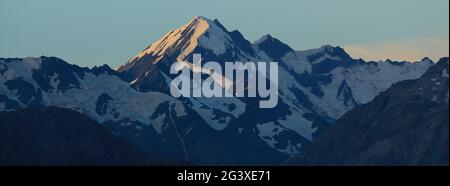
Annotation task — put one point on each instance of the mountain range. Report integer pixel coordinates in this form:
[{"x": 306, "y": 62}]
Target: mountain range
[{"x": 317, "y": 87}]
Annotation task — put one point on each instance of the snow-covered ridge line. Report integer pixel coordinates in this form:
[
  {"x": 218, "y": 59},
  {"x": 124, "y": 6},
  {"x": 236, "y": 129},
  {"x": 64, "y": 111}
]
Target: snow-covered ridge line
[{"x": 84, "y": 91}]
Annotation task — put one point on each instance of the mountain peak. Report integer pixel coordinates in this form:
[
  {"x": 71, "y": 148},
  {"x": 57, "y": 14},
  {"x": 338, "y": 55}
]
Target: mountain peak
[
  {"x": 267, "y": 38},
  {"x": 331, "y": 49},
  {"x": 264, "y": 38},
  {"x": 427, "y": 60},
  {"x": 200, "y": 18},
  {"x": 327, "y": 47},
  {"x": 199, "y": 21},
  {"x": 273, "y": 47},
  {"x": 199, "y": 35},
  {"x": 179, "y": 43},
  {"x": 328, "y": 51}
]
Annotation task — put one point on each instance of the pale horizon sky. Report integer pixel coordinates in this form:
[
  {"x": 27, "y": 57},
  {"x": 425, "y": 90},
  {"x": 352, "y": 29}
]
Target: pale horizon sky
[{"x": 89, "y": 33}]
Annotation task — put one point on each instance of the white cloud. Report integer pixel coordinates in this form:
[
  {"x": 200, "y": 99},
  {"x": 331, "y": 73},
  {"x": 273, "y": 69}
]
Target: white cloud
[{"x": 410, "y": 50}]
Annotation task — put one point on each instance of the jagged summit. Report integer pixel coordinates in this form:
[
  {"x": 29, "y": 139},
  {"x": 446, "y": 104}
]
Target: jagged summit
[
  {"x": 427, "y": 60},
  {"x": 328, "y": 51},
  {"x": 200, "y": 35},
  {"x": 273, "y": 47},
  {"x": 328, "y": 46},
  {"x": 184, "y": 37},
  {"x": 332, "y": 49},
  {"x": 198, "y": 18},
  {"x": 264, "y": 38},
  {"x": 214, "y": 42},
  {"x": 267, "y": 38},
  {"x": 321, "y": 49},
  {"x": 178, "y": 44}
]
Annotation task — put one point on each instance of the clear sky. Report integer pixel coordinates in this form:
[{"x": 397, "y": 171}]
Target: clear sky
[{"x": 95, "y": 32}]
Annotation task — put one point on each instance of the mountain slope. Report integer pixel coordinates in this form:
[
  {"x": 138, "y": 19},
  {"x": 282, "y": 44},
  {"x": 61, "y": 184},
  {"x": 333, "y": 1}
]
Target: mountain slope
[
  {"x": 408, "y": 124},
  {"x": 57, "y": 136},
  {"x": 152, "y": 121}
]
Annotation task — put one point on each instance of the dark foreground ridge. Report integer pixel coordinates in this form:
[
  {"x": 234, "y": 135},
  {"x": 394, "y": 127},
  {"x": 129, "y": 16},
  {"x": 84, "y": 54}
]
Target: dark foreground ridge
[
  {"x": 407, "y": 124},
  {"x": 57, "y": 136}
]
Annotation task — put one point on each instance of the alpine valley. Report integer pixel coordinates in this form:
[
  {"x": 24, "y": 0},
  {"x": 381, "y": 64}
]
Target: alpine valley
[{"x": 317, "y": 89}]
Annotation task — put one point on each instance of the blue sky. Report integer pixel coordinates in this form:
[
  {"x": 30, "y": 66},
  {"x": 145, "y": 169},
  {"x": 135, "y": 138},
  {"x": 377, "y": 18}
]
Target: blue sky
[{"x": 89, "y": 33}]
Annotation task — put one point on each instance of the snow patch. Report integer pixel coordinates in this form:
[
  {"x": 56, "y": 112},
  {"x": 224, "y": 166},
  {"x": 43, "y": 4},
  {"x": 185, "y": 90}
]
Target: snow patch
[{"x": 267, "y": 131}]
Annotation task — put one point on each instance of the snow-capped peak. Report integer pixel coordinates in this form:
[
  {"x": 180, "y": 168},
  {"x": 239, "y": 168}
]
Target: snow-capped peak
[
  {"x": 327, "y": 48},
  {"x": 183, "y": 37},
  {"x": 200, "y": 18},
  {"x": 325, "y": 51},
  {"x": 269, "y": 39},
  {"x": 330, "y": 49},
  {"x": 199, "y": 31},
  {"x": 273, "y": 47},
  {"x": 263, "y": 39}
]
